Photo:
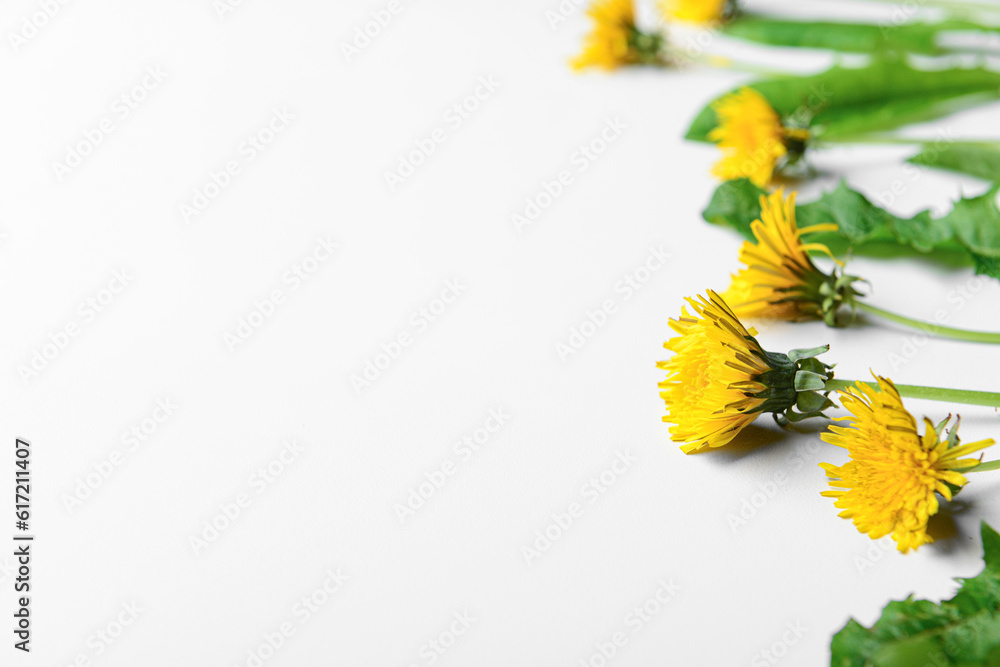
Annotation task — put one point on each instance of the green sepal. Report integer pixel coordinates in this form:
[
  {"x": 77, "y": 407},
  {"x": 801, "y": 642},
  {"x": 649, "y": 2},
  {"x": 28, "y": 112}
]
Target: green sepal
[
  {"x": 813, "y": 401},
  {"x": 797, "y": 355},
  {"x": 816, "y": 366},
  {"x": 953, "y": 439},
  {"x": 794, "y": 381},
  {"x": 790, "y": 416},
  {"x": 647, "y": 47},
  {"x": 809, "y": 381},
  {"x": 953, "y": 488},
  {"x": 940, "y": 426}
]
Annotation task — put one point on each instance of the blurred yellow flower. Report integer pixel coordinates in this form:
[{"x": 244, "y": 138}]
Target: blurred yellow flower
[
  {"x": 695, "y": 11},
  {"x": 890, "y": 484},
  {"x": 778, "y": 279},
  {"x": 615, "y": 40},
  {"x": 752, "y": 138}
]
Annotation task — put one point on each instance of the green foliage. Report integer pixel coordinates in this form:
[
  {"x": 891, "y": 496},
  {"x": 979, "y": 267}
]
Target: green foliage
[
  {"x": 887, "y": 94},
  {"x": 972, "y": 227},
  {"x": 920, "y": 38},
  {"x": 963, "y": 631},
  {"x": 977, "y": 159}
]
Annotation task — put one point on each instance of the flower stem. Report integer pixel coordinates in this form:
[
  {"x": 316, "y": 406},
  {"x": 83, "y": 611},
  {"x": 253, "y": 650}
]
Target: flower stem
[
  {"x": 984, "y": 467},
  {"x": 953, "y": 6},
  {"x": 887, "y": 140},
  {"x": 964, "y": 396},
  {"x": 948, "y": 332},
  {"x": 722, "y": 62}
]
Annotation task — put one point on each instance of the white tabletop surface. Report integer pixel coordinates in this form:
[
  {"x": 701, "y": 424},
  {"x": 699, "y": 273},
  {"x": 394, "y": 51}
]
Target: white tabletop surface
[{"x": 154, "y": 293}]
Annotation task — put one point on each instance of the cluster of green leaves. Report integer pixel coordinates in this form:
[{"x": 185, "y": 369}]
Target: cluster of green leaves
[
  {"x": 963, "y": 631},
  {"x": 969, "y": 234},
  {"x": 919, "y": 38},
  {"x": 842, "y": 103}
]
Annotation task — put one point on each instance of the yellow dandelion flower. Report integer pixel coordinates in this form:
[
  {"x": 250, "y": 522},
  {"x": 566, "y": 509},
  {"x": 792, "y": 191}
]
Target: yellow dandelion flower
[
  {"x": 615, "y": 40},
  {"x": 779, "y": 280},
  {"x": 720, "y": 379},
  {"x": 752, "y": 138},
  {"x": 890, "y": 484},
  {"x": 695, "y": 11}
]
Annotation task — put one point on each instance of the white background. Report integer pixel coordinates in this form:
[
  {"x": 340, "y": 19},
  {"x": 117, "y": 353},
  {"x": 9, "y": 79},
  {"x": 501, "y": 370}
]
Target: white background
[{"x": 163, "y": 337}]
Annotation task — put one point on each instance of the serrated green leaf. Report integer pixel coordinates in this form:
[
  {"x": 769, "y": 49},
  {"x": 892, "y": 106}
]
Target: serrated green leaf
[
  {"x": 963, "y": 631},
  {"x": 920, "y": 38},
  {"x": 971, "y": 231},
  {"x": 981, "y": 160},
  {"x": 735, "y": 204},
  {"x": 884, "y": 95},
  {"x": 857, "y": 219},
  {"x": 976, "y": 224}
]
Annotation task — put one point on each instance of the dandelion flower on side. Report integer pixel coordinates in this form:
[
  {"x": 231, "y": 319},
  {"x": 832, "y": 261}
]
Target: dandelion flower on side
[
  {"x": 779, "y": 279},
  {"x": 720, "y": 379},
  {"x": 890, "y": 485},
  {"x": 697, "y": 11},
  {"x": 753, "y": 139},
  {"x": 615, "y": 40}
]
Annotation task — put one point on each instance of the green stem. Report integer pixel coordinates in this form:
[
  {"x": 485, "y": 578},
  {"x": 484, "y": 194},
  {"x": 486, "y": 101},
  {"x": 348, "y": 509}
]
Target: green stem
[
  {"x": 986, "y": 466},
  {"x": 886, "y": 140},
  {"x": 945, "y": 4},
  {"x": 722, "y": 62},
  {"x": 937, "y": 329},
  {"x": 964, "y": 396}
]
